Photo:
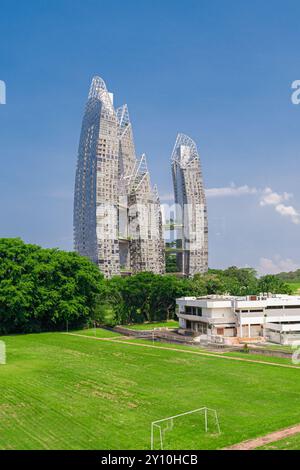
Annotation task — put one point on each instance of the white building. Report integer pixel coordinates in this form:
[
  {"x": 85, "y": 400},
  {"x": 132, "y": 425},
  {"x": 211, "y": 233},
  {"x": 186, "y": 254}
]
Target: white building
[{"x": 275, "y": 318}]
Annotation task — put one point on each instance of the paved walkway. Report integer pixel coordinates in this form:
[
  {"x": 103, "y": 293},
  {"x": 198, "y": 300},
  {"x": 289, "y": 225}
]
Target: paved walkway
[
  {"x": 116, "y": 339},
  {"x": 268, "y": 439}
]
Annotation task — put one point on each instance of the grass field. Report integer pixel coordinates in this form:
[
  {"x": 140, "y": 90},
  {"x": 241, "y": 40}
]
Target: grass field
[
  {"x": 98, "y": 332},
  {"x": 291, "y": 443},
  {"x": 60, "y": 391},
  {"x": 151, "y": 326},
  {"x": 278, "y": 347},
  {"x": 295, "y": 286}
]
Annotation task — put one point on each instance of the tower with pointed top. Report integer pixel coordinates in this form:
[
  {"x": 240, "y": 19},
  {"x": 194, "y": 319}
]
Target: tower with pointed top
[
  {"x": 117, "y": 215},
  {"x": 192, "y": 249},
  {"x": 145, "y": 222}
]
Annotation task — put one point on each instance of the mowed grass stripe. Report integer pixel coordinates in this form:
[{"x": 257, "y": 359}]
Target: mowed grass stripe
[
  {"x": 198, "y": 353},
  {"x": 64, "y": 392},
  {"x": 46, "y": 401},
  {"x": 289, "y": 443}
]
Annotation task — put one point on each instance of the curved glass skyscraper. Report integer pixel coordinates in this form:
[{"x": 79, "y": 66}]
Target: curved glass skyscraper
[
  {"x": 117, "y": 215},
  {"x": 191, "y": 210}
]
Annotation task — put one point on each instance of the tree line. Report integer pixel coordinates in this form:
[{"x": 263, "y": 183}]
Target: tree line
[
  {"x": 292, "y": 276},
  {"x": 44, "y": 289}
]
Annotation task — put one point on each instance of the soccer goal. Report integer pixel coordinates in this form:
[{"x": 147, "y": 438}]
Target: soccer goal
[{"x": 184, "y": 424}]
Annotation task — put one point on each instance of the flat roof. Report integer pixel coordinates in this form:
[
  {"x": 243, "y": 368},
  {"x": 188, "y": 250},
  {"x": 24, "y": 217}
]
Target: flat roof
[{"x": 251, "y": 299}]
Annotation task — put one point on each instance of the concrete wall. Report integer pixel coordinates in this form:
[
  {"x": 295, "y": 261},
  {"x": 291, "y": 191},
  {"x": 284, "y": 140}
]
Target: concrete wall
[
  {"x": 273, "y": 336},
  {"x": 255, "y": 331},
  {"x": 221, "y": 312}
]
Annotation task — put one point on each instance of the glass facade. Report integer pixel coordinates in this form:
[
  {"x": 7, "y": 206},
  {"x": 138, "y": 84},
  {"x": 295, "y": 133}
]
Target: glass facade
[{"x": 117, "y": 214}]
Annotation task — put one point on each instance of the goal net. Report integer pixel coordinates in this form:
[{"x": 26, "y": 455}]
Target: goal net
[{"x": 184, "y": 430}]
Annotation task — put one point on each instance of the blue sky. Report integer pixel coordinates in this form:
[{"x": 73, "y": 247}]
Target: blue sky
[{"x": 219, "y": 71}]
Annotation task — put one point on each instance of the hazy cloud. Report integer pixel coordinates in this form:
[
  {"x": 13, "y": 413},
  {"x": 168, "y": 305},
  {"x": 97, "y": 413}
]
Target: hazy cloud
[
  {"x": 231, "y": 190},
  {"x": 271, "y": 198},
  {"x": 267, "y": 197},
  {"x": 289, "y": 211},
  {"x": 276, "y": 265}
]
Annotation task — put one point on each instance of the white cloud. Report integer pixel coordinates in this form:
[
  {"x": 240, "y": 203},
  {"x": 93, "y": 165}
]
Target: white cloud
[
  {"x": 231, "y": 190},
  {"x": 270, "y": 198},
  {"x": 276, "y": 265},
  {"x": 289, "y": 211}
]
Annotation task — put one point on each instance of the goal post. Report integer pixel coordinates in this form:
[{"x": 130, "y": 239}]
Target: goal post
[{"x": 162, "y": 426}]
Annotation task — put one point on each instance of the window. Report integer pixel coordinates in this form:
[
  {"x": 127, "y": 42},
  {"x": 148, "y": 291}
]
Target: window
[{"x": 199, "y": 311}]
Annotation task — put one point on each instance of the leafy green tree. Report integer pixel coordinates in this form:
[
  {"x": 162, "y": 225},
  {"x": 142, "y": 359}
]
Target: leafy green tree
[
  {"x": 135, "y": 292},
  {"x": 208, "y": 284},
  {"x": 292, "y": 276},
  {"x": 240, "y": 281},
  {"x": 164, "y": 292},
  {"x": 273, "y": 284},
  {"x": 171, "y": 263},
  {"x": 171, "y": 257},
  {"x": 145, "y": 296},
  {"x": 233, "y": 281},
  {"x": 42, "y": 289}
]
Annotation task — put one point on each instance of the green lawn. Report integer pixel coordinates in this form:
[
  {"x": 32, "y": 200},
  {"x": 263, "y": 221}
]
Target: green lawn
[
  {"x": 290, "y": 443},
  {"x": 59, "y": 391},
  {"x": 97, "y": 332},
  {"x": 222, "y": 353},
  {"x": 278, "y": 347},
  {"x": 295, "y": 286},
  {"x": 151, "y": 326}
]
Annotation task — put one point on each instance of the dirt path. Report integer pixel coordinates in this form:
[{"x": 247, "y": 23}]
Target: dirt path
[
  {"x": 268, "y": 439},
  {"x": 109, "y": 338},
  {"x": 185, "y": 351}
]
